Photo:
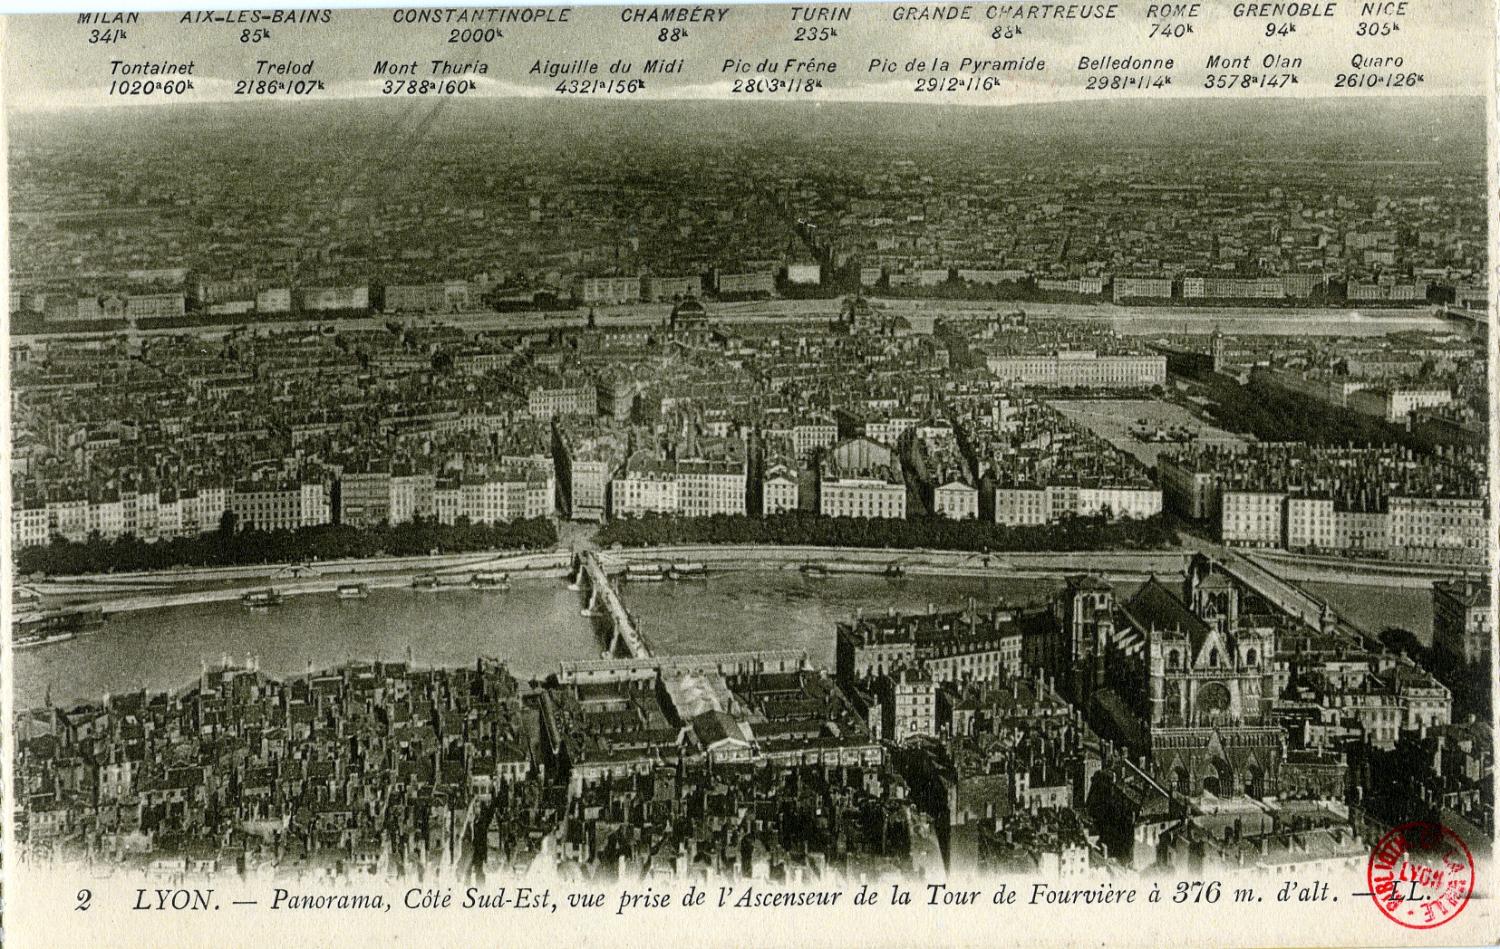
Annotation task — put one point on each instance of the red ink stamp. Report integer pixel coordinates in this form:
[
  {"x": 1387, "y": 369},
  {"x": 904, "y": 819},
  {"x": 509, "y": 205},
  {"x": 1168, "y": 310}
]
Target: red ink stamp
[{"x": 1421, "y": 875}]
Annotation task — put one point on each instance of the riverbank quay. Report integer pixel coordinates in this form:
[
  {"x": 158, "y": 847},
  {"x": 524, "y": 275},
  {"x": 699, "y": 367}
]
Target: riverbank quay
[
  {"x": 119, "y": 593},
  {"x": 1122, "y": 565},
  {"x": 1313, "y": 568}
]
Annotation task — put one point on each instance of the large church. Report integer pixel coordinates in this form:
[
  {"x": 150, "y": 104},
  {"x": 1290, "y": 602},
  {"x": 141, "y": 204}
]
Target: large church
[{"x": 1183, "y": 676}]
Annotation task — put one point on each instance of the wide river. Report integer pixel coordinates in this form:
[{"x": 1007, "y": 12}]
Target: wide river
[{"x": 534, "y": 626}]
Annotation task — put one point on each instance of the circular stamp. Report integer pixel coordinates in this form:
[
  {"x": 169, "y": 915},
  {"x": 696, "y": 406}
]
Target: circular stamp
[{"x": 1421, "y": 875}]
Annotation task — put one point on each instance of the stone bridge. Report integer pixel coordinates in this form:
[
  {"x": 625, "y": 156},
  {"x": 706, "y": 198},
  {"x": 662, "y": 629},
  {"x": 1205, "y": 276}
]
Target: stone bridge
[
  {"x": 591, "y": 574},
  {"x": 1288, "y": 597}
]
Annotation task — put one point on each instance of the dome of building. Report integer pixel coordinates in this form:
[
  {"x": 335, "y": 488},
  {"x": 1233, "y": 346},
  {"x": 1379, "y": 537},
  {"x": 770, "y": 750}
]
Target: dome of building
[{"x": 688, "y": 313}]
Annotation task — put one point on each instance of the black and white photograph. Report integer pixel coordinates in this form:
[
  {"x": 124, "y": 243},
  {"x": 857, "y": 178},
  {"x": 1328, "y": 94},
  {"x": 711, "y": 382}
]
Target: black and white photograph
[{"x": 1010, "y": 473}]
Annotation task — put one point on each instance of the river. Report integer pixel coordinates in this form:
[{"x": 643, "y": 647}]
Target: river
[
  {"x": 1372, "y": 609},
  {"x": 785, "y": 610},
  {"x": 535, "y": 625}
]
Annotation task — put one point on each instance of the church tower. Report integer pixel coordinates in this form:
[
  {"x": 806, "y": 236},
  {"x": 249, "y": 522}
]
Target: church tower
[{"x": 1085, "y": 611}]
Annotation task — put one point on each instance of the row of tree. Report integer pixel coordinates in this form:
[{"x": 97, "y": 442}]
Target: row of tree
[
  {"x": 1274, "y": 414},
  {"x": 230, "y": 547},
  {"x": 933, "y": 533}
]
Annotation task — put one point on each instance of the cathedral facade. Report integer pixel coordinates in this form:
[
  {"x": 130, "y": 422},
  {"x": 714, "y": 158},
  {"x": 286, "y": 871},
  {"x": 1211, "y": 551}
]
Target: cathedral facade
[{"x": 1183, "y": 677}]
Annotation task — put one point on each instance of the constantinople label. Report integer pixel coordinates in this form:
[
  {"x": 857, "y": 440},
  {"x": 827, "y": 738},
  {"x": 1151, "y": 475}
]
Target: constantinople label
[{"x": 754, "y": 475}]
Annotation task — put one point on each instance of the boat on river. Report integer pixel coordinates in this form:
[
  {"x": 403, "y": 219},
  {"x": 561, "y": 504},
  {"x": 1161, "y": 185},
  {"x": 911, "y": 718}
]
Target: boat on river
[
  {"x": 261, "y": 599},
  {"x": 645, "y": 572},
  {"x": 45, "y": 628},
  {"x": 42, "y": 639},
  {"x": 353, "y": 591}
]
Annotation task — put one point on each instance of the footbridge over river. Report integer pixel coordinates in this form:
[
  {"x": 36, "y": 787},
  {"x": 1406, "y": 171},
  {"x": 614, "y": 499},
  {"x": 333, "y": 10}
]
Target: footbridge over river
[{"x": 591, "y": 573}]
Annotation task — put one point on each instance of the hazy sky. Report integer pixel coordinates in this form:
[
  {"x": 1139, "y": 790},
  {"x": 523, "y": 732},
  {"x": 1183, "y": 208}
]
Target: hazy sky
[{"x": 49, "y": 64}]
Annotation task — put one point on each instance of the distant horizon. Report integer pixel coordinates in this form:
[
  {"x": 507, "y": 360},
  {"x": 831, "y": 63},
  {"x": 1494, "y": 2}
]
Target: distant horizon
[
  {"x": 1164, "y": 103},
  {"x": 1444, "y": 130}
]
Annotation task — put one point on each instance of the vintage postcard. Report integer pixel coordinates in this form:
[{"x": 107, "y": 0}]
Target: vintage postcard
[{"x": 832, "y": 474}]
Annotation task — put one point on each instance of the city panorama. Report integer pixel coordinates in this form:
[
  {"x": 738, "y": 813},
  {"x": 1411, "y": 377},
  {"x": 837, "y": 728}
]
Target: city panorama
[{"x": 763, "y": 494}]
